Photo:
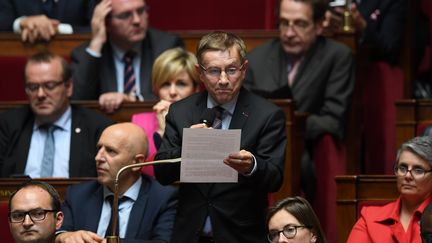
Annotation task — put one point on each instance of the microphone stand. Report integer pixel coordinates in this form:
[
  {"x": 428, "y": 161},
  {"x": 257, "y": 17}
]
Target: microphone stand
[{"x": 114, "y": 238}]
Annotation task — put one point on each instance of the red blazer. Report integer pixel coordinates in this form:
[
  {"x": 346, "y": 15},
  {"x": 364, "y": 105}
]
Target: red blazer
[{"x": 381, "y": 224}]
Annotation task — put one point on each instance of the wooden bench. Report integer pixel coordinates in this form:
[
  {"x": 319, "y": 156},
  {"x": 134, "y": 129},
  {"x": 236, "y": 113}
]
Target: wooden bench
[
  {"x": 356, "y": 190},
  {"x": 411, "y": 117},
  {"x": 295, "y": 127}
]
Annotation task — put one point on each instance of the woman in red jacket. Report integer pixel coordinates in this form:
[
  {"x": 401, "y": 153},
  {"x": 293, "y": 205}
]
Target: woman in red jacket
[{"x": 398, "y": 221}]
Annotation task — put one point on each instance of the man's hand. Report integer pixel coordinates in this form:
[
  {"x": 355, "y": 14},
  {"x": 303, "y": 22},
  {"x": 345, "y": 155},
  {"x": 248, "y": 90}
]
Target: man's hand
[
  {"x": 38, "y": 27},
  {"x": 334, "y": 19},
  {"x": 111, "y": 101},
  {"x": 161, "y": 109},
  {"x": 99, "y": 32},
  {"x": 78, "y": 236},
  {"x": 241, "y": 161}
]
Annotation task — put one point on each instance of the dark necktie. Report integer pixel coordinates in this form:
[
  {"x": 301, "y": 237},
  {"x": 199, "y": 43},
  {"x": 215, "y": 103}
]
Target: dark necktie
[
  {"x": 129, "y": 75},
  {"x": 217, "y": 123},
  {"x": 110, "y": 199},
  {"x": 49, "y": 151}
]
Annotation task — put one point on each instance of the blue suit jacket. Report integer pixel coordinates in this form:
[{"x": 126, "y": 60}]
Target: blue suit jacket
[{"x": 151, "y": 218}]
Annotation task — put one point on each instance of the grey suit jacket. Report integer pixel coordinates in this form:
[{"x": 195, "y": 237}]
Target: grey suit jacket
[
  {"x": 95, "y": 76},
  {"x": 15, "y": 135},
  {"x": 322, "y": 87},
  {"x": 237, "y": 210}
]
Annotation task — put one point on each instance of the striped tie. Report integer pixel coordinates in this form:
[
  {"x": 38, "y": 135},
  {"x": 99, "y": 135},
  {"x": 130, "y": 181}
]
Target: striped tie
[
  {"x": 129, "y": 75},
  {"x": 217, "y": 123}
]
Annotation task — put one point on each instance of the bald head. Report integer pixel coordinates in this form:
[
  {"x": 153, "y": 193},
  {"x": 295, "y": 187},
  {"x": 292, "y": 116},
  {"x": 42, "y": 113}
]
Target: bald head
[{"x": 120, "y": 145}]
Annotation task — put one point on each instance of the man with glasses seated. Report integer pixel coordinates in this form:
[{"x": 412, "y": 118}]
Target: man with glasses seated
[
  {"x": 316, "y": 72},
  {"x": 34, "y": 213},
  {"x": 49, "y": 137},
  {"x": 115, "y": 66},
  {"x": 225, "y": 212},
  {"x": 398, "y": 221}
]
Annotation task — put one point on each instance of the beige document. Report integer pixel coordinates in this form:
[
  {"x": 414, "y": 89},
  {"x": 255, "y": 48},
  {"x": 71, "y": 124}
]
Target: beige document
[{"x": 203, "y": 152}]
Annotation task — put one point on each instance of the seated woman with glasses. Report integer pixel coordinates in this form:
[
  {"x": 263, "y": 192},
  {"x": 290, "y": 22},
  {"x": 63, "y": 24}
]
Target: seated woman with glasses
[
  {"x": 174, "y": 77},
  {"x": 293, "y": 220},
  {"x": 398, "y": 221}
]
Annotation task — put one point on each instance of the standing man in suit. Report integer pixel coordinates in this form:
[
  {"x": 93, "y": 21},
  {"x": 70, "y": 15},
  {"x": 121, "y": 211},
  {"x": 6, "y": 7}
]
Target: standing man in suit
[
  {"x": 116, "y": 65},
  {"x": 42, "y": 20},
  {"x": 146, "y": 208},
  {"x": 41, "y": 203},
  {"x": 226, "y": 212},
  {"x": 49, "y": 137}
]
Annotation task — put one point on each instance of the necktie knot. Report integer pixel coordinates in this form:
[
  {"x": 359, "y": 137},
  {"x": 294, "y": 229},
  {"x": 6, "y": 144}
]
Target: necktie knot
[{"x": 128, "y": 56}]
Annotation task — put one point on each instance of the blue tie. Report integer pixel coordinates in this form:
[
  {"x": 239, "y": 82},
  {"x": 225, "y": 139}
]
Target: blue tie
[{"x": 49, "y": 151}]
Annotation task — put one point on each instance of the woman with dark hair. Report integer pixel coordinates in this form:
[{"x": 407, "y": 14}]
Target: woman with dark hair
[
  {"x": 398, "y": 221},
  {"x": 293, "y": 220}
]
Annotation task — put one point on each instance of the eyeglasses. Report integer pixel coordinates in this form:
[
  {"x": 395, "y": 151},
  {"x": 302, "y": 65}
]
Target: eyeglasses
[
  {"x": 416, "y": 172},
  {"x": 127, "y": 16},
  {"x": 289, "y": 231},
  {"x": 37, "y": 214},
  {"x": 46, "y": 86},
  {"x": 296, "y": 25},
  {"x": 215, "y": 73}
]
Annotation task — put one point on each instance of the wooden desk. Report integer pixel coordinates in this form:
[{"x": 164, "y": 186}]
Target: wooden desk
[
  {"x": 295, "y": 128},
  {"x": 353, "y": 191},
  {"x": 11, "y": 45},
  {"x": 8, "y": 186}
]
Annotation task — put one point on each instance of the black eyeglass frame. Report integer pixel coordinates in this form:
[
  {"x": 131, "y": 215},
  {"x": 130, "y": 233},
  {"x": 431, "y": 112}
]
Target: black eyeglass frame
[
  {"x": 277, "y": 233},
  {"x": 29, "y": 213}
]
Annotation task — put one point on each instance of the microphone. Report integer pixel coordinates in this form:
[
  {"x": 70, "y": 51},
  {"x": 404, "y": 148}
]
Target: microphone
[
  {"x": 113, "y": 238},
  {"x": 208, "y": 117}
]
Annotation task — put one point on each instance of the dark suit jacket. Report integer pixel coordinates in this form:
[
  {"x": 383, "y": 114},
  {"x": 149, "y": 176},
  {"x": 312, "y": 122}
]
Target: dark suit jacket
[
  {"x": 237, "y": 210},
  {"x": 384, "y": 32},
  {"x": 151, "y": 218},
  {"x": 322, "y": 87},
  {"x": 77, "y": 13},
  {"x": 15, "y": 135},
  {"x": 95, "y": 76}
]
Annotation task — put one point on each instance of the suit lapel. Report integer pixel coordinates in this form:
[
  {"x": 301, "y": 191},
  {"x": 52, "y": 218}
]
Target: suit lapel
[
  {"x": 93, "y": 214},
  {"x": 108, "y": 74},
  {"x": 241, "y": 112},
  {"x": 137, "y": 212},
  {"x": 76, "y": 141},
  {"x": 24, "y": 145}
]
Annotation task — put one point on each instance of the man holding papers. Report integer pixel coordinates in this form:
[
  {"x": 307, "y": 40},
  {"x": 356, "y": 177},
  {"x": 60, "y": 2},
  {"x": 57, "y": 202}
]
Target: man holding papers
[{"x": 225, "y": 212}]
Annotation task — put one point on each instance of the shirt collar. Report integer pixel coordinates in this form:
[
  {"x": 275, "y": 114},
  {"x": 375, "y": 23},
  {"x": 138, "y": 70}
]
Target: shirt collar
[
  {"x": 64, "y": 122},
  {"x": 119, "y": 53},
  {"x": 229, "y": 106},
  {"x": 394, "y": 212},
  {"x": 131, "y": 193}
]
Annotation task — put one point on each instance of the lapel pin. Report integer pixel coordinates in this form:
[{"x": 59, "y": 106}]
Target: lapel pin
[
  {"x": 77, "y": 130},
  {"x": 245, "y": 114}
]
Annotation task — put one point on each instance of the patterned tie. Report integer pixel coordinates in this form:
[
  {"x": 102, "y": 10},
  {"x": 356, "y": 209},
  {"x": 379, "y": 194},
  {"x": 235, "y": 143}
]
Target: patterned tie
[
  {"x": 219, "y": 111},
  {"x": 129, "y": 75},
  {"x": 49, "y": 150}
]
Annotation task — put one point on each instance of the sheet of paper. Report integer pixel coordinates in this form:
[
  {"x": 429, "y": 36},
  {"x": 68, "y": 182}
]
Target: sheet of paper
[{"x": 203, "y": 152}]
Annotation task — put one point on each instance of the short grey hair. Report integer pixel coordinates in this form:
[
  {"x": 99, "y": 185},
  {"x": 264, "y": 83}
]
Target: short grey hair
[{"x": 420, "y": 146}]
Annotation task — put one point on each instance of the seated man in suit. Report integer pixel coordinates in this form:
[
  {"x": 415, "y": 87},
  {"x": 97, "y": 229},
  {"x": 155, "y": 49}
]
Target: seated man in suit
[
  {"x": 146, "y": 209},
  {"x": 116, "y": 65},
  {"x": 316, "y": 71},
  {"x": 226, "y": 212},
  {"x": 42, "y": 20},
  {"x": 41, "y": 203},
  {"x": 49, "y": 137}
]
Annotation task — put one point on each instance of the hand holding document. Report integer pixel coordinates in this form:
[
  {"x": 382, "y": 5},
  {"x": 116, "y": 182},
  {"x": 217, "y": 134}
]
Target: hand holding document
[{"x": 203, "y": 152}]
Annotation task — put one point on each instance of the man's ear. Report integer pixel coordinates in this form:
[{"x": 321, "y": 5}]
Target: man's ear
[
  {"x": 139, "y": 158},
  {"x": 59, "y": 219}
]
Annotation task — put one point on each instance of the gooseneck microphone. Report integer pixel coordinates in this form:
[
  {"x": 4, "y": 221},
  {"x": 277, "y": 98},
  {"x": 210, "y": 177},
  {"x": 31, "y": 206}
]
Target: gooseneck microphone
[{"x": 208, "y": 117}]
